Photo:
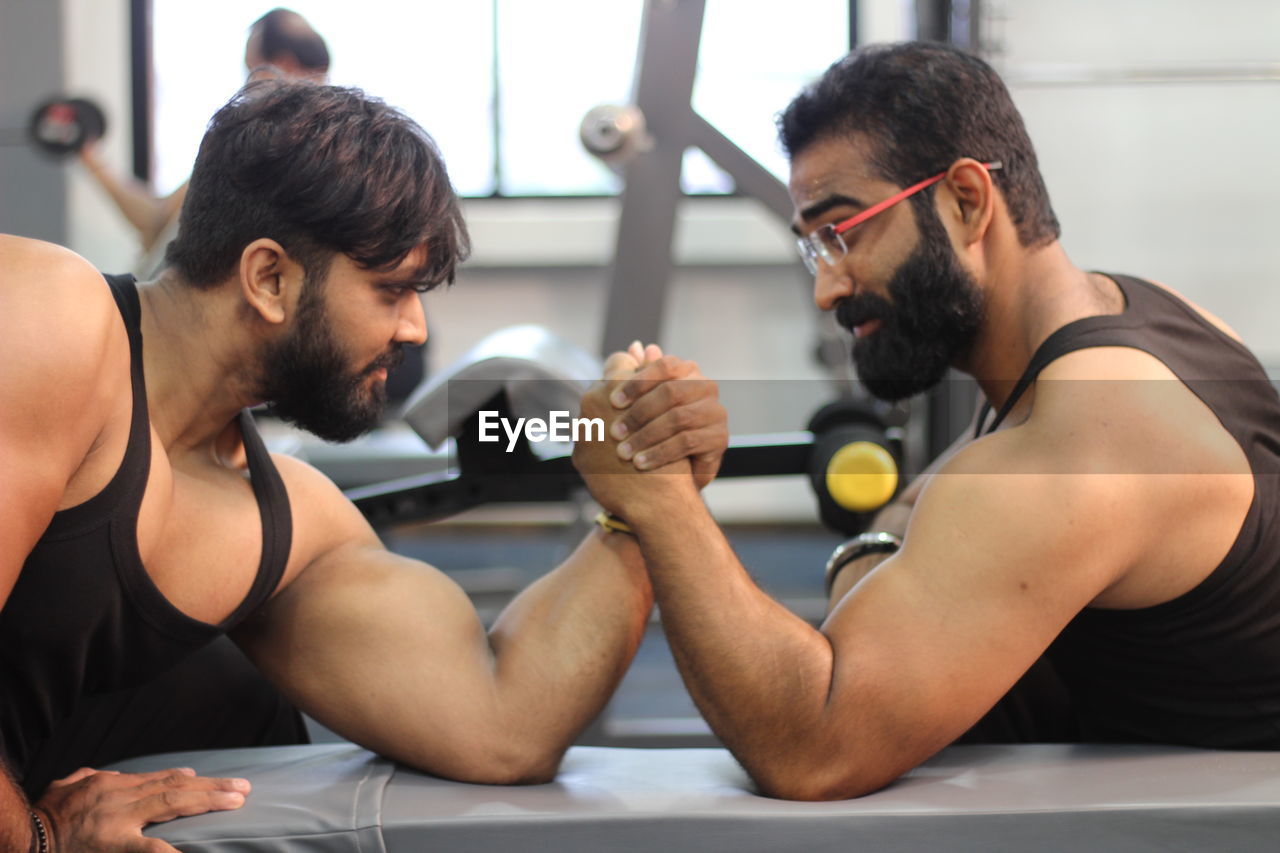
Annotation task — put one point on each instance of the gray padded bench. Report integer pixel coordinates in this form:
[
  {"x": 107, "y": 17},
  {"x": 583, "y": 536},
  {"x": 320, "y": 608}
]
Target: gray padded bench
[{"x": 973, "y": 798}]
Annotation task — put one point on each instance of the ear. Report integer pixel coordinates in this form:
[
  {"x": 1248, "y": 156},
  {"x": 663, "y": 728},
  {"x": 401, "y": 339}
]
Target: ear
[
  {"x": 270, "y": 280},
  {"x": 972, "y": 202}
]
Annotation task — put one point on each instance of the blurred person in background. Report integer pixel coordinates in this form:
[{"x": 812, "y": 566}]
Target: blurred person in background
[{"x": 281, "y": 44}]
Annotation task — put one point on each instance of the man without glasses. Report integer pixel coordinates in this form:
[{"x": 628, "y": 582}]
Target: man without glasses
[{"x": 142, "y": 519}]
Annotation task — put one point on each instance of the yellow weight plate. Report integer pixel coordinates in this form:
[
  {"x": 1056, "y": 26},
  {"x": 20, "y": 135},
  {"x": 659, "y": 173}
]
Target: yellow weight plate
[{"x": 862, "y": 476}]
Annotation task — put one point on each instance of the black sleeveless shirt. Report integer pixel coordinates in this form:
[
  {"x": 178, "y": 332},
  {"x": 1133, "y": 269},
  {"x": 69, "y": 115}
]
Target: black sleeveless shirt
[
  {"x": 1204, "y": 668},
  {"x": 84, "y": 616}
]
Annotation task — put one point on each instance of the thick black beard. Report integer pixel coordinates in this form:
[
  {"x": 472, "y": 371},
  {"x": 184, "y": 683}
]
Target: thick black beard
[
  {"x": 306, "y": 378},
  {"x": 928, "y": 323}
]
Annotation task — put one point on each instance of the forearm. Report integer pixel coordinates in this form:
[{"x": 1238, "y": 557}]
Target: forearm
[
  {"x": 146, "y": 213},
  {"x": 759, "y": 674},
  {"x": 562, "y": 646},
  {"x": 15, "y": 815}
]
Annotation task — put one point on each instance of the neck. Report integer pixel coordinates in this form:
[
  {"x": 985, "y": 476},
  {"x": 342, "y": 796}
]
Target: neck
[
  {"x": 197, "y": 361},
  {"x": 1030, "y": 295}
]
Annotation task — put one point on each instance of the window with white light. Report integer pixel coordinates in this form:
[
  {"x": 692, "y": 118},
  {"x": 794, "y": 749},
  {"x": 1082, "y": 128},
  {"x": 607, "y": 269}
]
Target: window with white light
[{"x": 502, "y": 85}]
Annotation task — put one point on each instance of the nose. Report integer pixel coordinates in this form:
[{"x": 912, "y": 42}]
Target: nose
[
  {"x": 412, "y": 329},
  {"x": 830, "y": 285}
]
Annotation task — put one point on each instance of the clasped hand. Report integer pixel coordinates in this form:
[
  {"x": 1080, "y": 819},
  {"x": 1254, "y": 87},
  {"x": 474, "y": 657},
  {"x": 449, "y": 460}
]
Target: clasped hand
[{"x": 662, "y": 417}]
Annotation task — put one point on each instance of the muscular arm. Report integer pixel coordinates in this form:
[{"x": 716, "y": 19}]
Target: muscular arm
[
  {"x": 389, "y": 652},
  {"x": 43, "y": 333},
  {"x": 1122, "y": 494},
  {"x": 895, "y": 517},
  {"x": 898, "y": 670}
]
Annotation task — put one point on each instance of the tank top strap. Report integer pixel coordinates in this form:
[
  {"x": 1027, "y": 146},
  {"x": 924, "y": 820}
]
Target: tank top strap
[
  {"x": 1100, "y": 330},
  {"x": 122, "y": 496},
  {"x": 277, "y": 523}
]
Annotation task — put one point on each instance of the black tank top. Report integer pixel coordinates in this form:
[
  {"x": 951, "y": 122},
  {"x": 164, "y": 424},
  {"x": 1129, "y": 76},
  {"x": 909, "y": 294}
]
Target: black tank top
[
  {"x": 84, "y": 617},
  {"x": 1202, "y": 669}
]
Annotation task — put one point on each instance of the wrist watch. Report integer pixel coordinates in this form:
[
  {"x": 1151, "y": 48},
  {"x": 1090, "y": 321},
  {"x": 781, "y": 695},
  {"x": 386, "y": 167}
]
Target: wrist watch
[{"x": 859, "y": 546}]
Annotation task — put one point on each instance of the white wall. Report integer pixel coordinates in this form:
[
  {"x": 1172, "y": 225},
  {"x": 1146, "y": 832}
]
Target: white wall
[
  {"x": 96, "y": 51},
  {"x": 1176, "y": 180}
]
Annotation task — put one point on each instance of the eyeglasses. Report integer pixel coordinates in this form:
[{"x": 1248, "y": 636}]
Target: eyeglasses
[{"x": 828, "y": 244}]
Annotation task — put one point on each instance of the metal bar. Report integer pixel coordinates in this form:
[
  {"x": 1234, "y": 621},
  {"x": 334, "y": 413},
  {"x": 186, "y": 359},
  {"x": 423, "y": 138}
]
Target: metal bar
[
  {"x": 140, "y": 69},
  {"x": 933, "y": 20},
  {"x": 750, "y": 177},
  {"x": 435, "y": 496},
  {"x": 642, "y": 262}
]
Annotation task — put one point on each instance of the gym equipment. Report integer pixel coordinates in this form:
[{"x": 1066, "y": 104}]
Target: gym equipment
[
  {"x": 1043, "y": 797},
  {"x": 60, "y": 127},
  {"x": 646, "y": 141},
  {"x": 854, "y": 466},
  {"x": 615, "y": 133},
  {"x": 526, "y": 371}
]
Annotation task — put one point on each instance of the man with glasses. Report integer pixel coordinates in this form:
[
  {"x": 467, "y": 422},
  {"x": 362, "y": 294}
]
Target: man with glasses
[{"x": 1093, "y": 561}]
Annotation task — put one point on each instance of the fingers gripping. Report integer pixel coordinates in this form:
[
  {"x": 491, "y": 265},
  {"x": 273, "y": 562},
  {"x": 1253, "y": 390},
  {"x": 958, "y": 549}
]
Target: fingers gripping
[
  {"x": 652, "y": 374},
  {"x": 682, "y": 429},
  {"x": 620, "y": 365},
  {"x": 661, "y": 409}
]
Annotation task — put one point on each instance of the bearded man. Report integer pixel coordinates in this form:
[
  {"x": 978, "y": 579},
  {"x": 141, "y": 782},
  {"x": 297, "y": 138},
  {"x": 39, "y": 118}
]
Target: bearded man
[
  {"x": 1096, "y": 561},
  {"x": 142, "y": 520}
]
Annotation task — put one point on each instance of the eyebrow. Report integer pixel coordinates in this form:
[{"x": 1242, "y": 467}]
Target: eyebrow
[
  {"x": 417, "y": 282},
  {"x": 815, "y": 210}
]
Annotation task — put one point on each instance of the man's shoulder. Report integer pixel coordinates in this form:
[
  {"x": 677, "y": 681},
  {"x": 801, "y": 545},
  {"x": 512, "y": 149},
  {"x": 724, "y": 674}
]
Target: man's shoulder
[
  {"x": 1206, "y": 315},
  {"x": 1122, "y": 410},
  {"x": 51, "y": 294},
  {"x": 64, "y": 369},
  {"x": 324, "y": 519},
  {"x": 58, "y": 321}
]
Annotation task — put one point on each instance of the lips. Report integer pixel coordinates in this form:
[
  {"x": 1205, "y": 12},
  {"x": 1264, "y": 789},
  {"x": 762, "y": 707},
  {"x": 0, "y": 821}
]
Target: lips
[
  {"x": 860, "y": 317},
  {"x": 863, "y": 329},
  {"x": 387, "y": 362}
]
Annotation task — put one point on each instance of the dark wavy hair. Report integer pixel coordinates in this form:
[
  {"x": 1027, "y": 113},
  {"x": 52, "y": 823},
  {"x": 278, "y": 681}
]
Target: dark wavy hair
[
  {"x": 922, "y": 106},
  {"x": 321, "y": 170}
]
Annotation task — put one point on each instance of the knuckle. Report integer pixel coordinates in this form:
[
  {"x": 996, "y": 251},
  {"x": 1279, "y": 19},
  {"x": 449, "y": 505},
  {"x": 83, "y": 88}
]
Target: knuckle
[
  {"x": 666, "y": 394},
  {"x": 658, "y": 456},
  {"x": 678, "y": 391}
]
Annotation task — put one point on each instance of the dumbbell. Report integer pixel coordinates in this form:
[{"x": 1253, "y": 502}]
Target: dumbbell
[
  {"x": 60, "y": 127},
  {"x": 854, "y": 465}
]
